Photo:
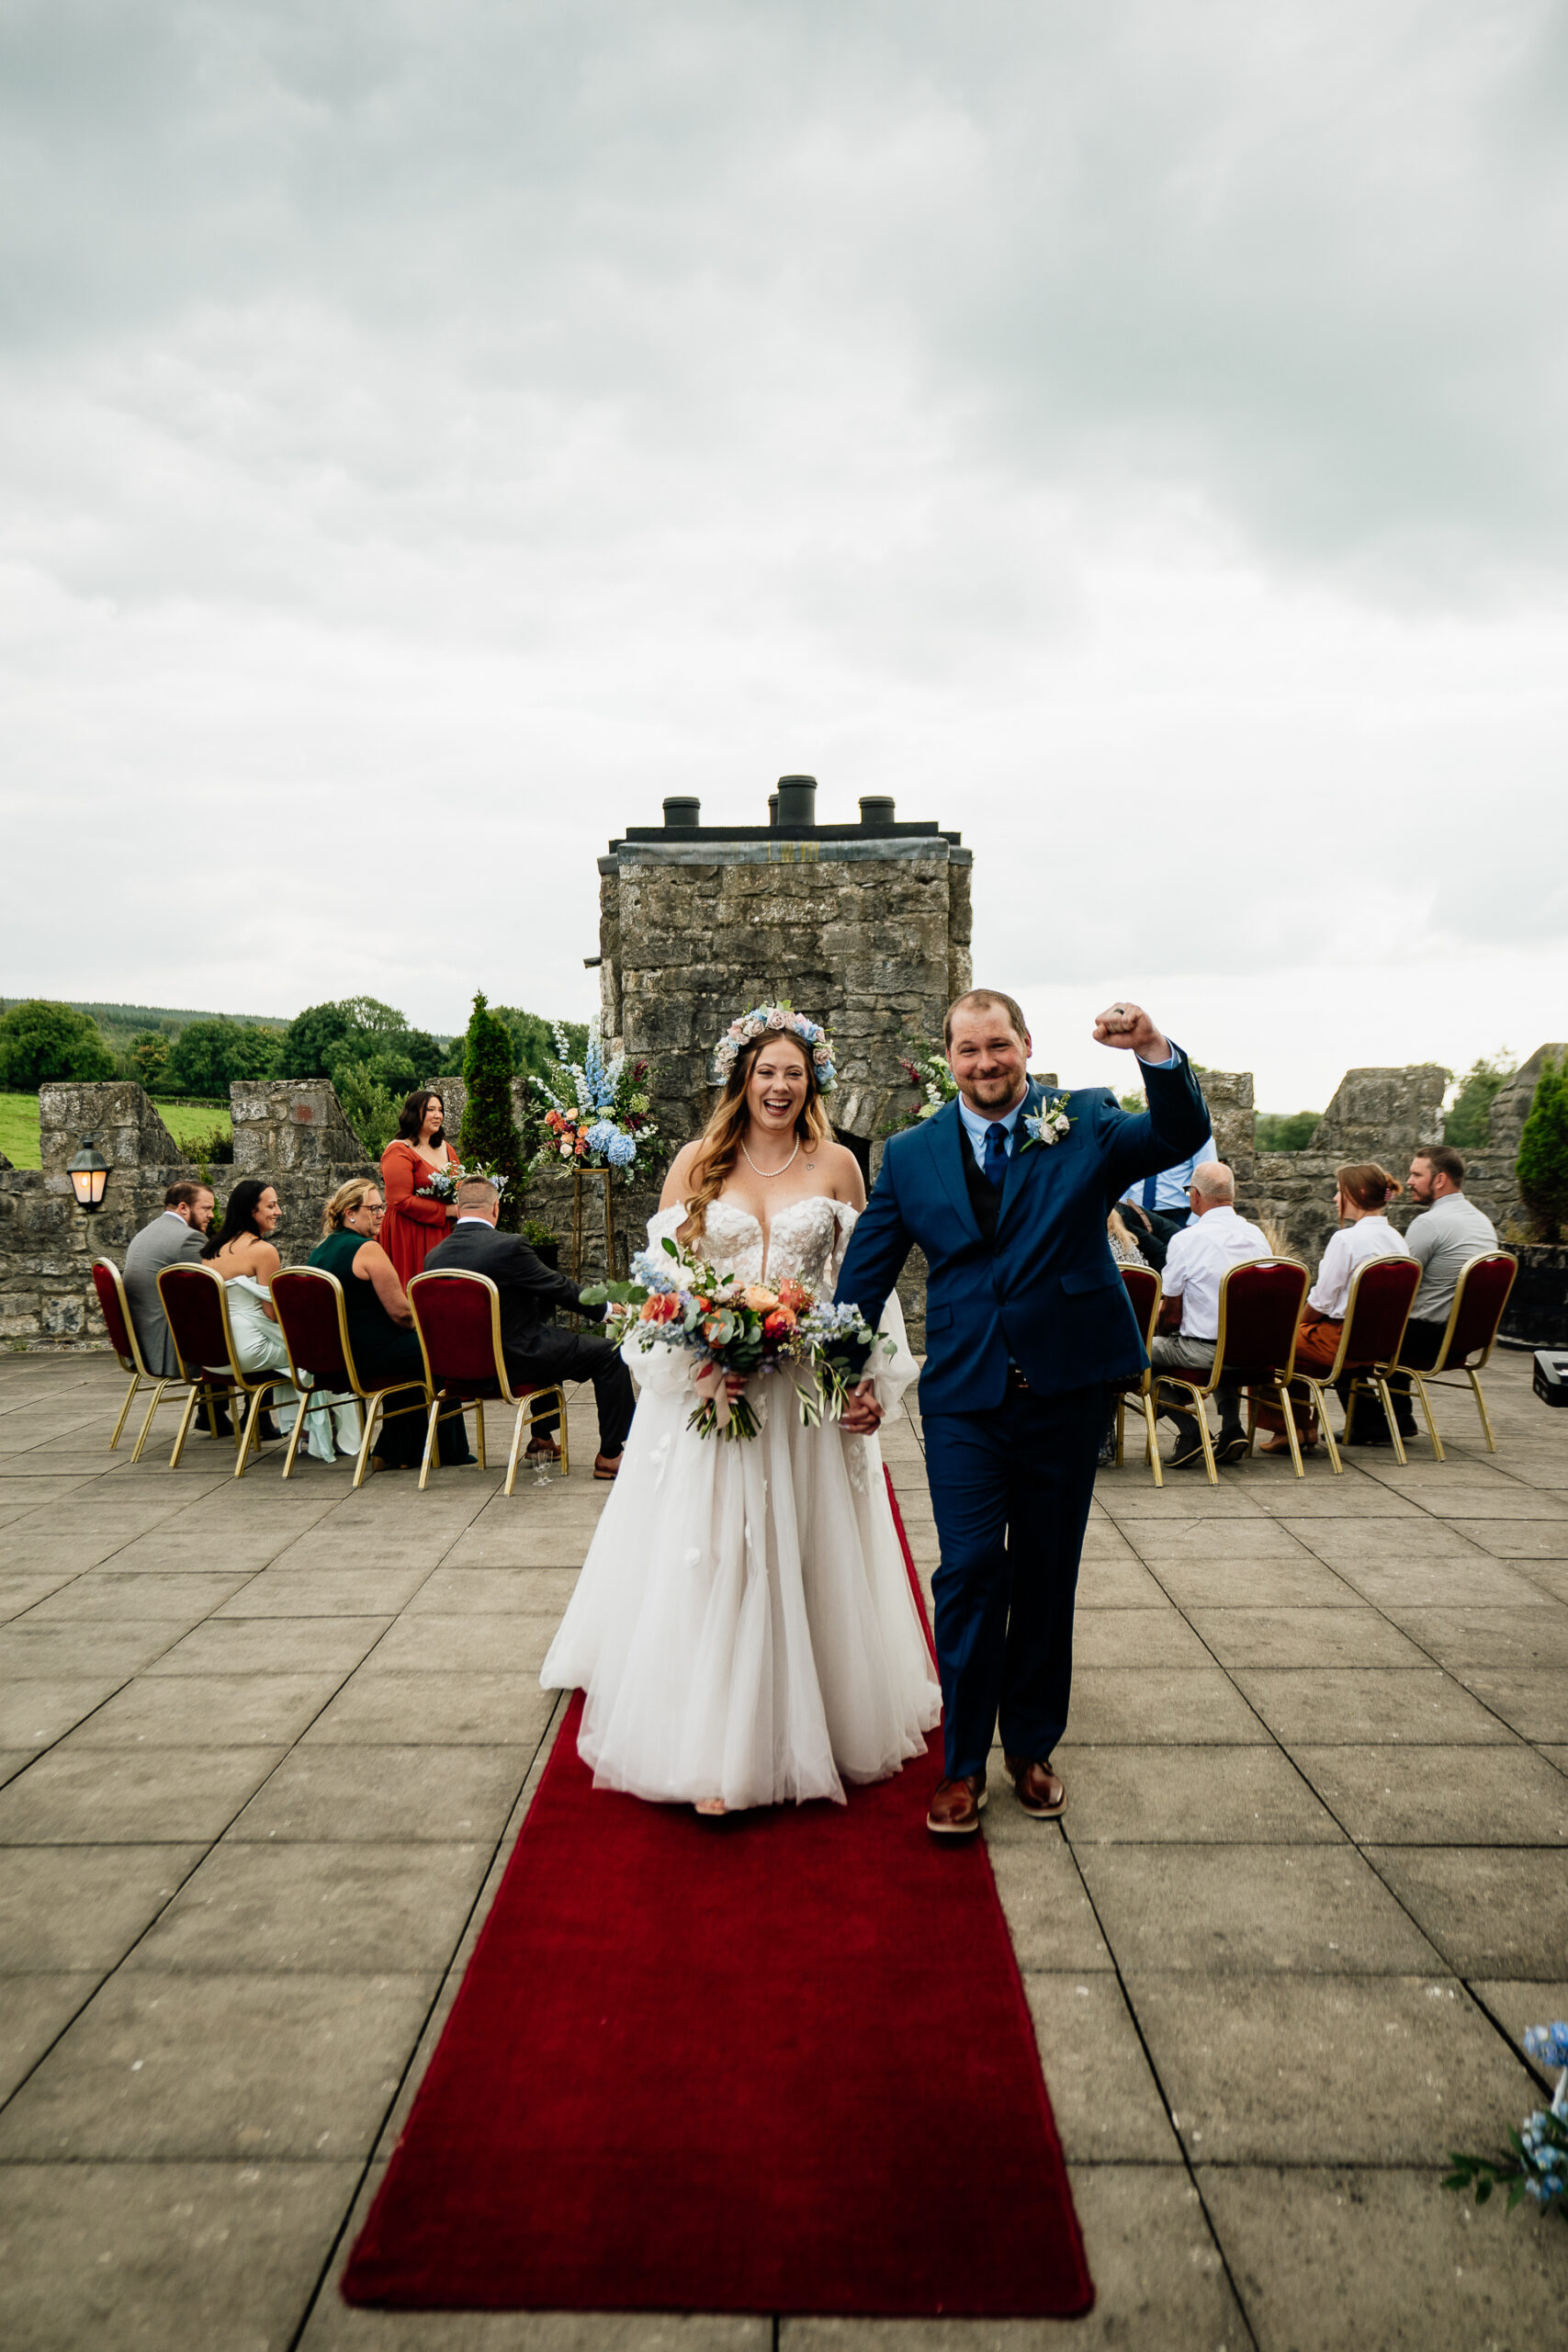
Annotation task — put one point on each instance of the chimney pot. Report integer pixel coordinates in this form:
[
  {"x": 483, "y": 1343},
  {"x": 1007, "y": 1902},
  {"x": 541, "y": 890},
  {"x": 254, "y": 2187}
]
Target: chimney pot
[
  {"x": 682, "y": 813},
  {"x": 876, "y": 809},
  {"x": 797, "y": 801}
]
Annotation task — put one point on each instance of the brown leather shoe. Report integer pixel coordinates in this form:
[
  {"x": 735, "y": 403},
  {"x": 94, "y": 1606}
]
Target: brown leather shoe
[
  {"x": 957, "y": 1807},
  {"x": 1040, "y": 1792}
]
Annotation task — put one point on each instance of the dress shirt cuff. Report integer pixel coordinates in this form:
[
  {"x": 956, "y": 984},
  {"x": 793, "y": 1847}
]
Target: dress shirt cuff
[{"x": 1169, "y": 1062}]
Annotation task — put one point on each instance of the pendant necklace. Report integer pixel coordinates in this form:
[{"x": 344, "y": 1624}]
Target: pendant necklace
[{"x": 768, "y": 1172}]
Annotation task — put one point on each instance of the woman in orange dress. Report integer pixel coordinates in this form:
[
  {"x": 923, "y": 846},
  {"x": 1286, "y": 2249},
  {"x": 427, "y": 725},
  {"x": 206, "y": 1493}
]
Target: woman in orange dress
[{"x": 412, "y": 1226}]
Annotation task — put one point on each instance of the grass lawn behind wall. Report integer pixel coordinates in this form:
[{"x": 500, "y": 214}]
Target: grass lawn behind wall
[{"x": 188, "y": 1123}]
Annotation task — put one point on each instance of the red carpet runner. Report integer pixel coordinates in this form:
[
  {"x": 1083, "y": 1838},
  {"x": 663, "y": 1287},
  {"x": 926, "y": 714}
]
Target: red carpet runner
[{"x": 781, "y": 2065}]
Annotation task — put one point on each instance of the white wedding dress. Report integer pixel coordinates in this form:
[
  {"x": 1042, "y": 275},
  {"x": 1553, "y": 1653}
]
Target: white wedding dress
[{"x": 743, "y": 1624}]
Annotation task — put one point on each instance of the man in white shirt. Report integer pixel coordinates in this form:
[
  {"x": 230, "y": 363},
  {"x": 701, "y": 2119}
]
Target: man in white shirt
[
  {"x": 1199, "y": 1258},
  {"x": 1166, "y": 1195},
  {"x": 1450, "y": 1231}
]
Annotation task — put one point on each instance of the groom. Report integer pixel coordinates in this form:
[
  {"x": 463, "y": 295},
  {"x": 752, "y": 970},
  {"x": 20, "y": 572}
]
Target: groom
[{"x": 1026, "y": 1322}]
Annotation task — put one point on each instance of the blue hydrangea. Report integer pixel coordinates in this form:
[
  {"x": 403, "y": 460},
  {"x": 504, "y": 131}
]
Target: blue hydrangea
[
  {"x": 600, "y": 1136},
  {"x": 655, "y": 1269},
  {"x": 621, "y": 1151},
  {"x": 1547, "y": 2044}
]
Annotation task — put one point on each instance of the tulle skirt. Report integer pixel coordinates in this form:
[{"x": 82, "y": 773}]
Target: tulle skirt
[{"x": 743, "y": 1627}]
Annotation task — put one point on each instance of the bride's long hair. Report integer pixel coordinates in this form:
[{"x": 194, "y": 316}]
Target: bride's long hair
[{"x": 720, "y": 1146}]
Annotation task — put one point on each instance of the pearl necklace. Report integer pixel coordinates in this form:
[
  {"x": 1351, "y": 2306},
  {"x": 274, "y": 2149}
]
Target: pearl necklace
[{"x": 767, "y": 1172}]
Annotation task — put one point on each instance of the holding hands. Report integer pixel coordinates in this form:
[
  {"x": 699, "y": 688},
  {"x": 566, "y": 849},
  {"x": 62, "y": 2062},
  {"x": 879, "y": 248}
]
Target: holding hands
[{"x": 1127, "y": 1026}]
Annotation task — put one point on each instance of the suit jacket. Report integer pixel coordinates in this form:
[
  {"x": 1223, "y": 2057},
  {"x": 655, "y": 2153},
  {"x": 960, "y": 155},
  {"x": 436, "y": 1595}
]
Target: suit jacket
[
  {"x": 528, "y": 1288},
  {"x": 1043, "y": 1287},
  {"x": 164, "y": 1243}
]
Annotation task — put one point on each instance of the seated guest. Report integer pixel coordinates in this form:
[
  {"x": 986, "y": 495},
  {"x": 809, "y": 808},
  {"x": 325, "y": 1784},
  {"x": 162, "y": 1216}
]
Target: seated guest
[
  {"x": 1450, "y": 1231},
  {"x": 177, "y": 1233},
  {"x": 1164, "y": 1198},
  {"x": 241, "y": 1250},
  {"x": 1362, "y": 1191},
  {"x": 1195, "y": 1263},
  {"x": 380, "y": 1322},
  {"x": 412, "y": 1226},
  {"x": 1123, "y": 1248},
  {"x": 536, "y": 1355}
]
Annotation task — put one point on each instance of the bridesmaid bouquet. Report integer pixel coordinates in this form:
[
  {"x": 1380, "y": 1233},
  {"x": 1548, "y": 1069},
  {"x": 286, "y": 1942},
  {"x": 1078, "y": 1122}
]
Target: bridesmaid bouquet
[
  {"x": 732, "y": 1326},
  {"x": 443, "y": 1182}
]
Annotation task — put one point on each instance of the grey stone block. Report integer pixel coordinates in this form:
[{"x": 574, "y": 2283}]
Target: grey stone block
[
  {"x": 1328, "y": 2258},
  {"x": 365, "y": 1908},
  {"x": 162, "y": 2068},
  {"x": 85, "y": 1796},
  {"x": 209, "y": 1710},
  {"x": 1347, "y": 1636},
  {"x": 74, "y": 1908},
  {"x": 1235, "y": 1795},
  {"x": 441, "y": 1710},
  {"x": 187, "y": 2257},
  {"x": 1370, "y": 2070},
  {"x": 1223, "y": 1910},
  {"x": 443, "y": 1794},
  {"x": 1441, "y": 1796},
  {"x": 1422, "y": 1706},
  {"x": 1489, "y": 1910}
]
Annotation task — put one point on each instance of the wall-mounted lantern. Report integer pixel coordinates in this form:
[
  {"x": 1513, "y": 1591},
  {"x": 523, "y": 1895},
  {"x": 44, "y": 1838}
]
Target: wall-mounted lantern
[{"x": 88, "y": 1175}]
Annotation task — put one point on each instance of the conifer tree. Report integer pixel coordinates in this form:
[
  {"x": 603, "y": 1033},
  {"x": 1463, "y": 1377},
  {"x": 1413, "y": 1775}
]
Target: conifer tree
[
  {"x": 489, "y": 1135},
  {"x": 1542, "y": 1164}
]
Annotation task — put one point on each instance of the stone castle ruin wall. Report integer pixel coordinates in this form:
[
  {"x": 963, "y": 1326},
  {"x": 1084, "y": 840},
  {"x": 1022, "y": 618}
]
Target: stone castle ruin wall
[{"x": 864, "y": 924}]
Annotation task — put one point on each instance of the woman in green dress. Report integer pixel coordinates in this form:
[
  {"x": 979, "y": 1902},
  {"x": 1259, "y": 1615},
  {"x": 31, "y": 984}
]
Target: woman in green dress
[{"x": 381, "y": 1321}]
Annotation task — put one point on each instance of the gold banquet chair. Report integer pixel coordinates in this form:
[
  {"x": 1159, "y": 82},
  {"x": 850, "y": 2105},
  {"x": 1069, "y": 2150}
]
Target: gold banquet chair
[
  {"x": 115, "y": 1307},
  {"x": 196, "y": 1305},
  {"x": 314, "y": 1322},
  {"x": 1146, "y": 1291},
  {"x": 458, "y": 1317},
  {"x": 1260, "y": 1309},
  {"x": 1480, "y": 1295},
  {"x": 1383, "y": 1291}
]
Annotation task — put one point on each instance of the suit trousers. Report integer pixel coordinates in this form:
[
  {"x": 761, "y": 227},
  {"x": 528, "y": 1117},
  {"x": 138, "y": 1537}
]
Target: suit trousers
[
  {"x": 578, "y": 1355},
  {"x": 1011, "y": 1491}
]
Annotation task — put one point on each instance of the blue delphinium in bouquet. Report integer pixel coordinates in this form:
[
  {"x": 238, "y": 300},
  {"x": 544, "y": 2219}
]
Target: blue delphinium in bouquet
[
  {"x": 1538, "y": 2166},
  {"x": 600, "y": 1113}
]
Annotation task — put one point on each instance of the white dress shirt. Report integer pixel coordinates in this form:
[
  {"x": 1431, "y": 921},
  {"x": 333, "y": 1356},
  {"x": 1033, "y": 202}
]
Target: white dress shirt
[
  {"x": 1370, "y": 1237},
  {"x": 1197, "y": 1261},
  {"x": 976, "y": 1121}
]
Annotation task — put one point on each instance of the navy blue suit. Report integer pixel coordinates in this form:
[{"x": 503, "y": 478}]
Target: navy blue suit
[{"x": 1011, "y": 1468}]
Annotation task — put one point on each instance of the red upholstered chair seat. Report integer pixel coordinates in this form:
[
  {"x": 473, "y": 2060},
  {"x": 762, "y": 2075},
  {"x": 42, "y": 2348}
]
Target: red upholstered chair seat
[{"x": 458, "y": 1317}]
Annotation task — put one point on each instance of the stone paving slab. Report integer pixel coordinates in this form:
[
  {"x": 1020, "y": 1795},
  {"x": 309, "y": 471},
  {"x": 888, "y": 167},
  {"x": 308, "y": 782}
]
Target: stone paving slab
[{"x": 265, "y": 1750}]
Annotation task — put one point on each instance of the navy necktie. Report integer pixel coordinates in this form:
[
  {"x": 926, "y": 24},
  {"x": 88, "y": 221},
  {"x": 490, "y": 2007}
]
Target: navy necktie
[
  {"x": 996, "y": 1151},
  {"x": 1151, "y": 1186}
]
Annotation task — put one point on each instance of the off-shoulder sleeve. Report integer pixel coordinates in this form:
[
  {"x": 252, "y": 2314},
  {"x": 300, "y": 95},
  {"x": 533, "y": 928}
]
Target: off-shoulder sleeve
[{"x": 399, "y": 1163}]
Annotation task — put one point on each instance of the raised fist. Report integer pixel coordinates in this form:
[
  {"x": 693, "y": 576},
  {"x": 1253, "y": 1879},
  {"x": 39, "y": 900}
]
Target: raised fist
[{"x": 1127, "y": 1026}]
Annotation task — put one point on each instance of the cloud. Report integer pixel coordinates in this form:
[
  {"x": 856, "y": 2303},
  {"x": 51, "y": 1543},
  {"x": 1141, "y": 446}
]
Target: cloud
[{"x": 437, "y": 429}]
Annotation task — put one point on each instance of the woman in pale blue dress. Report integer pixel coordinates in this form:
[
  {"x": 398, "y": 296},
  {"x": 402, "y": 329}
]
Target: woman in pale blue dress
[{"x": 241, "y": 1252}]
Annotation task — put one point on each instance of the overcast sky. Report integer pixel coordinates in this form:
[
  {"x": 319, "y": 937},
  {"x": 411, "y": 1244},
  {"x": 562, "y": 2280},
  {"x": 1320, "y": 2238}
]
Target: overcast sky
[{"x": 433, "y": 430}]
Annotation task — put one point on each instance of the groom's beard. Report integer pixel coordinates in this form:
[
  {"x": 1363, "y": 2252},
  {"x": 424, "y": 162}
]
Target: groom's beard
[{"x": 995, "y": 1094}]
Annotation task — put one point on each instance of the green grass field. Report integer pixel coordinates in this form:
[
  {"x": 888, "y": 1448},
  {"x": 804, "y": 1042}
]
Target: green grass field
[{"x": 186, "y": 1121}]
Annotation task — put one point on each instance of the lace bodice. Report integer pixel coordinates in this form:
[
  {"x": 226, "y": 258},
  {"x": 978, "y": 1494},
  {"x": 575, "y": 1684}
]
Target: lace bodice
[{"x": 807, "y": 1238}]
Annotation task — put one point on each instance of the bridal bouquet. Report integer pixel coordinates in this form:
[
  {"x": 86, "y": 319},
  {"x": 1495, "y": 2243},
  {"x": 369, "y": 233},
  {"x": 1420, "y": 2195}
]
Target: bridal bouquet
[
  {"x": 599, "y": 1114},
  {"x": 730, "y": 1326}
]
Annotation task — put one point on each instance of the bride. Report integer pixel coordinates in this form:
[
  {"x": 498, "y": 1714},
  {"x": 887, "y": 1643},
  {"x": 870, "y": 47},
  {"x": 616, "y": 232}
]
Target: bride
[{"x": 743, "y": 1627}]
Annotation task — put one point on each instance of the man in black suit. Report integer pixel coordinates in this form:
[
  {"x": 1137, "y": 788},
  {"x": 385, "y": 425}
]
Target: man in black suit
[{"x": 536, "y": 1352}]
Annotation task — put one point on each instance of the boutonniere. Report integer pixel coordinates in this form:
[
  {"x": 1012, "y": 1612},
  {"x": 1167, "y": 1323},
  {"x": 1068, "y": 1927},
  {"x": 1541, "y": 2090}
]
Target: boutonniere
[{"x": 1049, "y": 1123}]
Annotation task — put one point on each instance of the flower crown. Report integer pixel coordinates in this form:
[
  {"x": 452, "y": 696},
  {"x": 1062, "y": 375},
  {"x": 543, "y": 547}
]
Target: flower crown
[{"x": 781, "y": 1016}]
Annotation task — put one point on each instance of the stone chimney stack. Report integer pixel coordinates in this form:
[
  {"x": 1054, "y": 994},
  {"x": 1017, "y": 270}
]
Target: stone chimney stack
[{"x": 863, "y": 921}]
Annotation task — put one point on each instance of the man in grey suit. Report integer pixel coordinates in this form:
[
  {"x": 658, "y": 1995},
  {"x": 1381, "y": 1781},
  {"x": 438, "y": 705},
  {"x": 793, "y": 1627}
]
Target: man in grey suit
[{"x": 178, "y": 1233}]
